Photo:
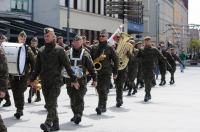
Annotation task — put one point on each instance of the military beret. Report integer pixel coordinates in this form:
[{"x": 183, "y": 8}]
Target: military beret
[
  {"x": 139, "y": 42},
  {"x": 147, "y": 38},
  {"x": 34, "y": 39},
  {"x": 48, "y": 29},
  {"x": 22, "y": 34},
  {"x": 77, "y": 37}
]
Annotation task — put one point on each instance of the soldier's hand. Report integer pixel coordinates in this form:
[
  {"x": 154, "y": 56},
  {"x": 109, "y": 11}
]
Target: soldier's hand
[
  {"x": 114, "y": 76},
  {"x": 94, "y": 83},
  {"x": 75, "y": 85},
  {"x": 2, "y": 94}
]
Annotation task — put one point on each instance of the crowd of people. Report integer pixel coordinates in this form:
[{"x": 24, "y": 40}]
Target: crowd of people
[{"x": 82, "y": 62}]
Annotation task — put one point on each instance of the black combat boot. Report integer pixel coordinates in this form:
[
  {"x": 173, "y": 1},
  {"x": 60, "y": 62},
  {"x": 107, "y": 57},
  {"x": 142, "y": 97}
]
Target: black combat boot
[
  {"x": 134, "y": 91},
  {"x": 7, "y": 104},
  {"x": 119, "y": 103},
  {"x": 45, "y": 127},
  {"x": 147, "y": 97},
  {"x": 98, "y": 110},
  {"x": 55, "y": 126},
  {"x": 77, "y": 119},
  {"x": 72, "y": 119},
  {"x": 129, "y": 93},
  {"x": 18, "y": 114}
]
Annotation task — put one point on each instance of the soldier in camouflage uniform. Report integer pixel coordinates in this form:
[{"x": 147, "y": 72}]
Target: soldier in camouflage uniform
[
  {"x": 19, "y": 83},
  {"x": 3, "y": 82},
  {"x": 3, "y": 38},
  {"x": 32, "y": 91},
  {"x": 104, "y": 74},
  {"x": 132, "y": 69},
  {"x": 82, "y": 61},
  {"x": 50, "y": 61},
  {"x": 148, "y": 57}
]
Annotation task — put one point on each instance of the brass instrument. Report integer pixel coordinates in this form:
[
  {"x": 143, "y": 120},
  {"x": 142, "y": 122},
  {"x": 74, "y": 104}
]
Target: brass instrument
[
  {"x": 123, "y": 46},
  {"x": 97, "y": 63},
  {"x": 37, "y": 85}
]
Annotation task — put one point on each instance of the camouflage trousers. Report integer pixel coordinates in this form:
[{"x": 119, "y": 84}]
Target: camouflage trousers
[
  {"x": 148, "y": 78},
  {"x": 2, "y": 126},
  {"x": 19, "y": 86},
  {"x": 51, "y": 94},
  {"x": 77, "y": 99},
  {"x": 103, "y": 85},
  {"x": 119, "y": 82}
]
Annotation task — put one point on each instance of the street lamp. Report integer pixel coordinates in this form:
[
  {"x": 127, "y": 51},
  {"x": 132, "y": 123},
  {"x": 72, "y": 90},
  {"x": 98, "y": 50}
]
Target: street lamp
[{"x": 68, "y": 17}]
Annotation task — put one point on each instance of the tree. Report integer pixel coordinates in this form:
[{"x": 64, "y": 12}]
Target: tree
[{"x": 194, "y": 46}]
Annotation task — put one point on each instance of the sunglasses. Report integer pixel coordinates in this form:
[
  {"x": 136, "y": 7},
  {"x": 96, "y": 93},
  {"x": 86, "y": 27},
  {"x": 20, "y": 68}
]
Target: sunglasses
[{"x": 102, "y": 36}]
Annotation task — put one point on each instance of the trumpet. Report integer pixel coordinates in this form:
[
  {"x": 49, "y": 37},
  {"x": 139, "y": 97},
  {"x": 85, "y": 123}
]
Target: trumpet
[{"x": 97, "y": 63}]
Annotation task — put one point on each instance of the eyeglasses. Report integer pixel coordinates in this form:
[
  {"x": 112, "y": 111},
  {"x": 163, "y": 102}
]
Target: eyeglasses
[{"x": 102, "y": 36}]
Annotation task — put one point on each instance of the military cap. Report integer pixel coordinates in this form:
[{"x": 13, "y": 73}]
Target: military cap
[
  {"x": 139, "y": 42},
  {"x": 48, "y": 29},
  {"x": 22, "y": 34},
  {"x": 104, "y": 31},
  {"x": 132, "y": 41},
  {"x": 147, "y": 38},
  {"x": 34, "y": 39},
  {"x": 77, "y": 38}
]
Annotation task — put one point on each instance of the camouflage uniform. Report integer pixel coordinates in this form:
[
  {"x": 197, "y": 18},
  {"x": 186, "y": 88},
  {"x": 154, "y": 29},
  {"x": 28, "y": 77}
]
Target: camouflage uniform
[
  {"x": 19, "y": 83},
  {"x": 50, "y": 61},
  {"x": 148, "y": 57},
  {"x": 132, "y": 71},
  {"x": 3, "y": 81},
  {"x": 77, "y": 96},
  {"x": 104, "y": 74}
]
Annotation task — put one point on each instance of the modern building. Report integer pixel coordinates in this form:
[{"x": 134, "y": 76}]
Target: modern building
[{"x": 167, "y": 20}]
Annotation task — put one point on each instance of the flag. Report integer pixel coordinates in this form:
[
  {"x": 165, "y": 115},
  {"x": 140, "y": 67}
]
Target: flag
[{"x": 112, "y": 39}]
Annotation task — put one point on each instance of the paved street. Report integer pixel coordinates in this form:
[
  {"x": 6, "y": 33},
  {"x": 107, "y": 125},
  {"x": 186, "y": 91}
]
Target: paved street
[{"x": 173, "y": 108}]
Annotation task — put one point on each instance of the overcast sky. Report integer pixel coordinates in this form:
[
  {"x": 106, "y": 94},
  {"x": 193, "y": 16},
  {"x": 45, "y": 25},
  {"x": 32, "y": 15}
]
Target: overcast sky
[{"x": 194, "y": 11}]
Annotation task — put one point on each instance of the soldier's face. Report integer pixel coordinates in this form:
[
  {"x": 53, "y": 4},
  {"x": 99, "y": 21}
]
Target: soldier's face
[
  {"x": 77, "y": 44},
  {"x": 22, "y": 39},
  {"x": 34, "y": 44},
  {"x": 49, "y": 37},
  {"x": 103, "y": 37},
  {"x": 147, "y": 42}
]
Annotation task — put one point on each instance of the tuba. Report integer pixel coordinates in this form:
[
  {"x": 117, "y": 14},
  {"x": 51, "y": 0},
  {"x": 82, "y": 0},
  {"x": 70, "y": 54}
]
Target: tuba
[
  {"x": 123, "y": 46},
  {"x": 97, "y": 63}
]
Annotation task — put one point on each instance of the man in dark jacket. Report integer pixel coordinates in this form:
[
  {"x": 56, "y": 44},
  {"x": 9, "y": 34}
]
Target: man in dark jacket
[
  {"x": 104, "y": 55},
  {"x": 81, "y": 62},
  {"x": 19, "y": 83},
  {"x": 3, "y": 82},
  {"x": 50, "y": 61},
  {"x": 149, "y": 56}
]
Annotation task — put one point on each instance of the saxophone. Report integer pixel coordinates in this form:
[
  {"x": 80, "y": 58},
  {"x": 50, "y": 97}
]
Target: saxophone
[
  {"x": 123, "y": 46},
  {"x": 97, "y": 63}
]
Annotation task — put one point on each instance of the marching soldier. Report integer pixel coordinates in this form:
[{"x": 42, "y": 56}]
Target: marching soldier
[
  {"x": 107, "y": 56},
  {"x": 81, "y": 61},
  {"x": 50, "y": 61},
  {"x": 32, "y": 91},
  {"x": 148, "y": 57},
  {"x": 132, "y": 69},
  {"x": 19, "y": 83},
  {"x": 173, "y": 64},
  {"x": 140, "y": 80},
  {"x": 3, "y": 38},
  {"x": 3, "y": 82}
]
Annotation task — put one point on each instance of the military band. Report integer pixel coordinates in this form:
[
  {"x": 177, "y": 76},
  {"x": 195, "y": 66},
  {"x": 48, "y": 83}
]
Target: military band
[{"x": 125, "y": 61}]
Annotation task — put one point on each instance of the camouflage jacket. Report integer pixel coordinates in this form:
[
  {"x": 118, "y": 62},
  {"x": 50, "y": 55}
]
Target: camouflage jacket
[{"x": 3, "y": 70}]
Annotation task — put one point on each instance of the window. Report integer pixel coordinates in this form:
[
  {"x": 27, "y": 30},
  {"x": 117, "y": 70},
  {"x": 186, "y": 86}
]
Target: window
[
  {"x": 88, "y": 6},
  {"x": 75, "y": 4},
  {"x": 66, "y": 3},
  {"x": 99, "y": 6},
  {"x": 94, "y": 3},
  {"x": 21, "y": 5}
]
